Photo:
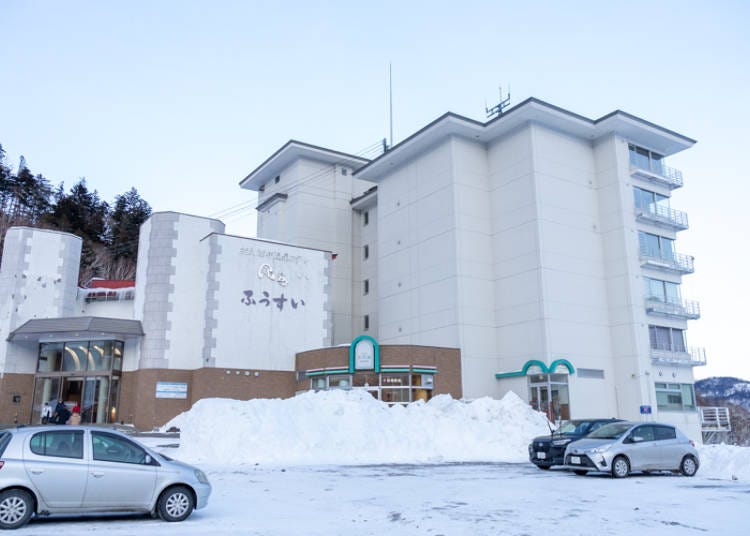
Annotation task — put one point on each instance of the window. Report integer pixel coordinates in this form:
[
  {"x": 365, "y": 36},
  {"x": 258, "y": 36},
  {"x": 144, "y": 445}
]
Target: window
[
  {"x": 590, "y": 373},
  {"x": 664, "y": 432},
  {"x": 645, "y": 199},
  {"x": 365, "y": 217},
  {"x": 366, "y": 251},
  {"x": 663, "y": 291},
  {"x": 367, "y": 322},
  {"x": 645, "y": 433},
  {"x": 645, "y": 159},
  {"x": 112, "y": 448},
  {"x": 62, "y": 444},
  {"x": 366, "y": 287},
  {"x": 656, "y": 246},
  {"x": 668, "y": 339},
  {"x": 675, "y": 396}
]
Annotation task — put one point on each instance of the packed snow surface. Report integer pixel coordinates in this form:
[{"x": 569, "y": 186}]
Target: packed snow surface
[{"x": 351, "y": 427}]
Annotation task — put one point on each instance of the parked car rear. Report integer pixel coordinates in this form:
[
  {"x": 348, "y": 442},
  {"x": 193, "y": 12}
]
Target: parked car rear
[
  {"x": 82, "y": 469},
  {"x": 621, "y": 448}
]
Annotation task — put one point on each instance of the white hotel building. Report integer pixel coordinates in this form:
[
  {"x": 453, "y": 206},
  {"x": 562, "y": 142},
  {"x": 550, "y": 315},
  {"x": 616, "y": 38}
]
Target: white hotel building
[{"x": 539, "y": 247}]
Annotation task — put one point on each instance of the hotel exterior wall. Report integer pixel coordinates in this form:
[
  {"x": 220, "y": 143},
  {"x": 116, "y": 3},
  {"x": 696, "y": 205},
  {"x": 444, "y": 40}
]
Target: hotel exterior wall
[
  {"x": 447, "y": 361},
  {"x": 11, "y": 385},
  {"x": 317, "y": 214},
  {"x": 264, "y": 330},
  {"x": 417, "y": 277},
  {"x": 38, "y": 279},
  {"x": 139, "y": 405}
]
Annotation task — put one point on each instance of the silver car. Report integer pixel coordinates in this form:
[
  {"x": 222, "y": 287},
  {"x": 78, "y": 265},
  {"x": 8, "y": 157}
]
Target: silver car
[
  {"x": 48, "y": 470},
  {"x": 624, "y": 447}
]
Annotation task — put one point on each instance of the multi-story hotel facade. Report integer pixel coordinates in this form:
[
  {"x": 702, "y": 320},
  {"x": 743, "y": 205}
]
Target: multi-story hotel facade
[{"x": 533, "y": 253}]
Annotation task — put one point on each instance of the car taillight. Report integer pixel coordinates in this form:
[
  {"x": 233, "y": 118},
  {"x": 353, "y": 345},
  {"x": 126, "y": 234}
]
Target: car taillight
[{"x": 1, "y": 464}]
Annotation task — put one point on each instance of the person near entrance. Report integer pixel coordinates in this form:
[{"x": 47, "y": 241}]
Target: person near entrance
[
  {"x": 75, "y": 418},
  {"x": 46, "y": 413},
  {"x": 62, "y": 414}
]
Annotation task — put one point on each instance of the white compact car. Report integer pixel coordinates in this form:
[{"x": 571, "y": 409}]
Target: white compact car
[
  {"x": 624, "y": 447},
  {"x": 47, "y": 470}
]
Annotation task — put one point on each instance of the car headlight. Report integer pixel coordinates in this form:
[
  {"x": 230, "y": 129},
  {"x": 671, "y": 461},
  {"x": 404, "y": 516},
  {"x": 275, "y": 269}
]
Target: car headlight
[
  {"x": 561, "y": 442},
  {"x": 599, "y": 450},
  {"x": 201, "y": 476}
]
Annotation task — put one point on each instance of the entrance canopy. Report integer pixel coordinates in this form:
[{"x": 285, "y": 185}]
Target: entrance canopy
[{"x": 76, "y": 327}]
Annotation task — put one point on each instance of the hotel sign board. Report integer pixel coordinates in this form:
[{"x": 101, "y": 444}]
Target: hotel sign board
[
  {"x": 364, "y": 354},
  {"x": 171, "y": 390}
]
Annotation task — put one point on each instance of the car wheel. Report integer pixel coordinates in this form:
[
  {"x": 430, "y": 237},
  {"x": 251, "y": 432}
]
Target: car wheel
[
  {"x": 688, "y": 466},
  {"x": 620, "y": 467},
  {"x": 16, "y": 508},
  {"x": 175, "y": 504},
  {"x": 580, "y": 472}
]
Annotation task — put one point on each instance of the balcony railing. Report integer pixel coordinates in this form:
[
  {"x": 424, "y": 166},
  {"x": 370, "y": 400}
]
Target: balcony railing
[
  {"x": 672, "y": 262},
  {"x": 659, "y": 174},
  {"x": 663, "y": 216},
  {"x": 688, "y": 309},
  {"x": 693, "y": 357}
]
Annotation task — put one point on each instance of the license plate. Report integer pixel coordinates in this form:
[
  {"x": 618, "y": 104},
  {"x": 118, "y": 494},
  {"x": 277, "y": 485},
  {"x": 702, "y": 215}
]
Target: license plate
[
  {"x": 541, "y": 455},
  {"x": 575, "y": 460}
]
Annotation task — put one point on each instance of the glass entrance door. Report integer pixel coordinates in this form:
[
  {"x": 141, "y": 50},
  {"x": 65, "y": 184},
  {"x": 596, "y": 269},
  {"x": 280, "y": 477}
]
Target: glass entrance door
[
  {"x": 90, "y": 393},
  {"x": 548, "y": 393}
]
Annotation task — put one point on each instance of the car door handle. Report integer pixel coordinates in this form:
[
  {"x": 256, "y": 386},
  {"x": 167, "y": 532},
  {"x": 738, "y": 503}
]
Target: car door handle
[
  {"x": 97, "y": 474},
  {"x": 37, "y": 471}
]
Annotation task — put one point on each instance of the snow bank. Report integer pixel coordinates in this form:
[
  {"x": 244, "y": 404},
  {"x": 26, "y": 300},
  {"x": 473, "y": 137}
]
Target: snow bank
[
  {"x": 351, "y": 427},
  {"x": 725, "y": 462}
]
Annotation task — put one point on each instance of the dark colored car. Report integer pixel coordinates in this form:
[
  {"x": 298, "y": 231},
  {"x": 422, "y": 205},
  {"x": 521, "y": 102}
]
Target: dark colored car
[{"x": 548, "y": 450}]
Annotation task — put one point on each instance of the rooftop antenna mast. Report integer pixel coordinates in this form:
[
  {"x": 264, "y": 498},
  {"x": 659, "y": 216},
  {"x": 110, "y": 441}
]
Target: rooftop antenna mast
[
  {"x": 502, "y": 105},
  {"x": 390, "y": 106}
]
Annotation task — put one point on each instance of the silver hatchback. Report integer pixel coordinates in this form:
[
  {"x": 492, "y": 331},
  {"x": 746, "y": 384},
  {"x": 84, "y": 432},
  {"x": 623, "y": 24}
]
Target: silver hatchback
[
  {"x": 48, "y": 470},
  {"x": 624, "y": 447}
]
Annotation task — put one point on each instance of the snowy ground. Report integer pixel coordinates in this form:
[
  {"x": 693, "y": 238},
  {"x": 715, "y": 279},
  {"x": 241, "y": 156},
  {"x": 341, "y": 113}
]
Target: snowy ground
[{"x": 340, "y": 464}]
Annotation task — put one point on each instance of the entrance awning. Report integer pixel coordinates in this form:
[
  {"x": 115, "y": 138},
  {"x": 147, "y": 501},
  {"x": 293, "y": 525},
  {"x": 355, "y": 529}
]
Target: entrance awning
[{"x": 76, "y": 327}]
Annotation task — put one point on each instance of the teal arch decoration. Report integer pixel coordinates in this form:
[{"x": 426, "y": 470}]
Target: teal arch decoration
[
  {"x": 376, "y": 349},
  {"x": 536, "y": 363}
]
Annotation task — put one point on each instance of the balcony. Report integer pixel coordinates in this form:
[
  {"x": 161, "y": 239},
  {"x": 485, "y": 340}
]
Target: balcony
[
  {"x": 662, "y": 216},
  {"x": 694, "y": 357},
  {"x": 687, "y": 309},
  {"x": 658, "y": 173},
  {"x": 669, "y": 262}
]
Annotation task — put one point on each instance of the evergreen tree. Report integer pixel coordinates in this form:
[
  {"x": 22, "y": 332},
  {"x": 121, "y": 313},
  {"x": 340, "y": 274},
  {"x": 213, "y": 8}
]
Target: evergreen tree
[{"x": 126, "y": 217}]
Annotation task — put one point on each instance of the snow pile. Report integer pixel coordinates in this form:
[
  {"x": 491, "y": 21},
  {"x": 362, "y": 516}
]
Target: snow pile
[
  {"x": 352, "y": 427},
  {"x": 725, "y": 462}
]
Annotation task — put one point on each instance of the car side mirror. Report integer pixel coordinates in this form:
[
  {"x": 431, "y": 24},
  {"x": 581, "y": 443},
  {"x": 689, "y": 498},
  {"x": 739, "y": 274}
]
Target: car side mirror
[
  {"x": 147, "y": 460},
  {"x": 636, "y": 439}
]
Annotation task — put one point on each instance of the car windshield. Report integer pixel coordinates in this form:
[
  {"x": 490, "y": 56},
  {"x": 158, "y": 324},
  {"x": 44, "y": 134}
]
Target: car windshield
[
  {"x": 610, "y": 431},
  {"x": 572, "y": 427}
]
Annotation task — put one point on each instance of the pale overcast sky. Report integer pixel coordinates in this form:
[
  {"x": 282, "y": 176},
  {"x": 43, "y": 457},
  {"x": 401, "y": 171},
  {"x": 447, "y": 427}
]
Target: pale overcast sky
[{"x": 181, "y": 99}]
